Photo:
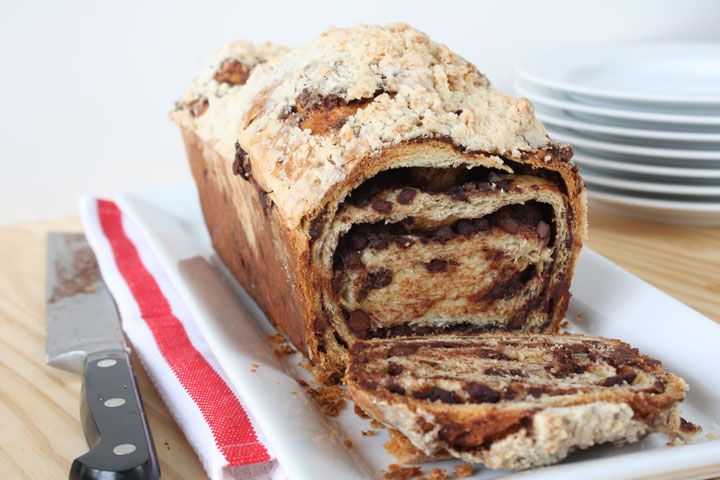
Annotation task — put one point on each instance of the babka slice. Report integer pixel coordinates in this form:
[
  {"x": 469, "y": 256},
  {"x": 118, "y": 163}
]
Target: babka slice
[{"x": 514, "y": 401}]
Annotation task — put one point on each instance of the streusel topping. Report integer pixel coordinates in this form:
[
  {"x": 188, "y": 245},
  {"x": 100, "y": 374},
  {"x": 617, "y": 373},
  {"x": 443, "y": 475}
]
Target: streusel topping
[{"x": 394, "y": 84}]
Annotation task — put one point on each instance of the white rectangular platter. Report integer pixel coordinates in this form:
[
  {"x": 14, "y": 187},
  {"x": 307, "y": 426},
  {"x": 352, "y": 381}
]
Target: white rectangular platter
[{"x": 611, "y": 302}]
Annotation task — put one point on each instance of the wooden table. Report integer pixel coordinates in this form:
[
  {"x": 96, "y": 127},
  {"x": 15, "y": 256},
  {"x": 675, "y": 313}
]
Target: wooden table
[{"x": 39, "y": 405}]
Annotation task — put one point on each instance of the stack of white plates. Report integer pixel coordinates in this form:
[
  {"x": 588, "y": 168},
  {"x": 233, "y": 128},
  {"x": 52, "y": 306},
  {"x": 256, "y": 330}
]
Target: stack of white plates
[{"x": 644, "y": 121}]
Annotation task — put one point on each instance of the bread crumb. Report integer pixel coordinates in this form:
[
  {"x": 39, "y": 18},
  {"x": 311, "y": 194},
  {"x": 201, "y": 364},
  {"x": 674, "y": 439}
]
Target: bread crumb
[
  {"x": 578, "y": 319},
  {"x": 330, "y": 399},
  {"x": 348, "y": 442},
  {"x": 396, "y": 472},
  {"x": 375, "y": 424},
  {"x": 564, "y": 324},
  {"x": 253, "y": 370},
  {"x": 360, "y": 412},
  {"x": 712, "y": 436},
  {"x": 255, "y": 365},
  {"x": 464, "y": 470},
  {"x": 284, "y": 350},
  {"x": 437, "y": 474},
  {"x": 275, "y": 338},
  {"x": 368, "y": 433},
  {"x": 294, "y": 392}
]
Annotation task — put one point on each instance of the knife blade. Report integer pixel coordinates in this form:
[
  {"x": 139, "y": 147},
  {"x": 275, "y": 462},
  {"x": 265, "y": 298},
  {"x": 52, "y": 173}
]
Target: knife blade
[{"x": 84, "y": 337}]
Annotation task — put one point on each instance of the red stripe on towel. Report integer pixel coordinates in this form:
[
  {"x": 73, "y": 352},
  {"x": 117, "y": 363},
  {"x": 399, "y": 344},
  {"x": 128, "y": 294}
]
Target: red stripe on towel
[{"x": 230, "y": 425}]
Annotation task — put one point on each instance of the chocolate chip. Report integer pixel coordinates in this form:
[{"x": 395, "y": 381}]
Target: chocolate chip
[
  {"x": 436, "y": 265},
  {"x": 621, "y": 356},
  {"x": 543, "y": 230},
  {"x": 481, "y": 224},
  {"x": 482, "y": 393},
  {"x": 379, "y": 279},
  {"x": 241, "y": 164},
  {"x": 658, "y": 386},
  {"x": 395, "y": 387},
  {"x": 394, "y": 368},
  {"x": 316, "y": 226},
  {"x": 689, "y": 427},
  {"x": 434, "y": 394},
  {"x": 629, "y": 377},
  {"x": 232, "y": 72},
  {"x": 406, "y": 196},
  {"x": 443, "y": 234},
  {"x": 379, "y": 240},
  {"x": 352, "y": 260},
  {"x": 465, "y": 227},
  {"x": 359, "y": 322},
  {"x": 399, "y": 331},
  {"x": 537, "y": 392},
  {"x": 484, "y": 187},
  {"x": 332, "y": 101},
  {"x": 382, "y": 206},
  {"x": 503, "y": 185},
  {"x": 358, "y": 241},
  {"x": 612, "y": 381},
  {"x": 509, "y": 393},
  {"x": 459, "y": 194},
  {"x": 508, "y": 224},
  {"x": 651, "y": 362}
]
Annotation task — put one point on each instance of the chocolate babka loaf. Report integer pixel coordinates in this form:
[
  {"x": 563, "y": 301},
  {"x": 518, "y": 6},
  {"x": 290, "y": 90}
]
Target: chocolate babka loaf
[
  {"x": 512, "y": 401},
  {"x": 373, "y": 184}
]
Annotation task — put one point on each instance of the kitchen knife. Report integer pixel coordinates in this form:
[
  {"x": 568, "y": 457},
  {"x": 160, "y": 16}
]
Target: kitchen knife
[{"x": 84, "y": 336}]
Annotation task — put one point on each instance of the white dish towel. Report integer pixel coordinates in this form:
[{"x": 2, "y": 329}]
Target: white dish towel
[{"x": 173, "y": 351}]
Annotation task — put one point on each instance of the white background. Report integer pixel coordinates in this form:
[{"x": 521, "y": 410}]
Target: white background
[{"x": 87, "y": 85}]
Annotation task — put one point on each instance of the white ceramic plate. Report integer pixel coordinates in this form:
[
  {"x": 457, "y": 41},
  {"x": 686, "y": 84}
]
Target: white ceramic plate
[
  {"x": 660, "y": 74},
  {"x": 677, "y": 212},
  {"x": 633, "y": 117},
  {"x": 599, "y": 178},
  {"x": 617, "y": 166},
  {"x": 559, "y": 118},
  {"x": 612, "y": 303},
  {"x": 637, "y": 149}
]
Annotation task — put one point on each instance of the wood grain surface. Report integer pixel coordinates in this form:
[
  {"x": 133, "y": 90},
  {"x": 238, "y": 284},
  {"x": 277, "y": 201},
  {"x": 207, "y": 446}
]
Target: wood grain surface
[{"x": 39, "y": 405}]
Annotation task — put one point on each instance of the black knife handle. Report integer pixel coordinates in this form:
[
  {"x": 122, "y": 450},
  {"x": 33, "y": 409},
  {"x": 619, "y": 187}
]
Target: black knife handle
[{"x": 114, "y": 423}]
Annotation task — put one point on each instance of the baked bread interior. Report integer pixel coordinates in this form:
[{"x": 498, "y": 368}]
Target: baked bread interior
[{"x": 512, "y": 401}]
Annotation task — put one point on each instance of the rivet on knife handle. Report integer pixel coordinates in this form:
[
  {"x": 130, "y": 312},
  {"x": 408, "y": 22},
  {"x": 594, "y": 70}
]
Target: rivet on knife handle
[{"x": 114, "y": 423}]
